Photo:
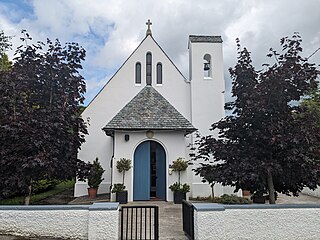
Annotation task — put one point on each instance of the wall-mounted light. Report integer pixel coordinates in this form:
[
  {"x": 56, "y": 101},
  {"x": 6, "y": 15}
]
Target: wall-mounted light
[
  {"x": 149, "y": 134},
  {"x": 126, "y": 137}
]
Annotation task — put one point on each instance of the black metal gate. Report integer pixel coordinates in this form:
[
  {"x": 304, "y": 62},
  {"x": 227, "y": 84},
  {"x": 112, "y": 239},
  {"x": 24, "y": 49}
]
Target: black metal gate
[
  {"x": 188, "y": 219},
  {"x": 139, "y": 222}
]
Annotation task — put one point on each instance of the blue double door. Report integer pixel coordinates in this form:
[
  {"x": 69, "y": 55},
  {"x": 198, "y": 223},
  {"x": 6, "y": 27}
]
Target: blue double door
[{"x": 149, "y": 179}]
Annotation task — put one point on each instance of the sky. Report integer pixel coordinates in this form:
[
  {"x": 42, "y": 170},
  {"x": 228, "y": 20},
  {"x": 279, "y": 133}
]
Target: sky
[{"x": 110, "y": 30}]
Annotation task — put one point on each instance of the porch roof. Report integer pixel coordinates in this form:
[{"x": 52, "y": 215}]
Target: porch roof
[{"x": 148, "y": 110}]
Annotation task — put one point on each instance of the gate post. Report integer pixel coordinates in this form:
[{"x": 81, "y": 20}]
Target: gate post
[
  {"x": 188, "y": 219},
  {"x": 103, "y": 221}
]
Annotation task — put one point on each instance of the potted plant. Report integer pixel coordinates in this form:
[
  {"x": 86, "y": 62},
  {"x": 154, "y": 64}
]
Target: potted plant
[
  {"x": 123, "y": 165},
  {"x": 258, "y": 197},
  {"x": 95, "y": 178},
  {"x": 179, "y": 190}
]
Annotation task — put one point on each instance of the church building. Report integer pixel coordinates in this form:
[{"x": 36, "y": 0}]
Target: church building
[{"x": 149, "y": 112}]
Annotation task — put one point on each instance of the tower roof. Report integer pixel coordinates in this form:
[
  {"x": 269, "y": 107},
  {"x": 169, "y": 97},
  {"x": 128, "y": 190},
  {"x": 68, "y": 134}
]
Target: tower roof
[
  {"x": 199, "y": 38},
  {"x": 148, "y": 110}
]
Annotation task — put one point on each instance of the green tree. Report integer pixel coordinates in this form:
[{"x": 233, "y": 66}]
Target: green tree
[
  {"x": 5, "y": 42},
  {"x": 310, "y": 113},
  {"x": 5, "y": 45},
  {"x": 41, "y": 130},
  {"x": 265, "y": 145},
  {"x": 5, "y": 63}
]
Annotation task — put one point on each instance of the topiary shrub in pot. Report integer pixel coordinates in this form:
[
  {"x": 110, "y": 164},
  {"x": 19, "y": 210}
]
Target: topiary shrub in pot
[
  {"x": 95, "y": 178},
  {"x": 179, "y": 190},
  {"x": 123, "y": 165}
]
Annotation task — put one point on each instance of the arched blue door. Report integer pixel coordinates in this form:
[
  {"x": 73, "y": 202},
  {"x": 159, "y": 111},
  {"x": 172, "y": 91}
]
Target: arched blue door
[
  {"x": 141, "y": 172},
  {"x": 149, "y": 158},
  {"x": 161, "y": 172}
]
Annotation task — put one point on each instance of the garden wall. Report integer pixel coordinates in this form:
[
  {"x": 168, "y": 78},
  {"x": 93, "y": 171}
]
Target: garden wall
[
  {"x": 314, "y": 193},
  {"x": 215, "y": 221},
  {"x": 97, "y": 221}
]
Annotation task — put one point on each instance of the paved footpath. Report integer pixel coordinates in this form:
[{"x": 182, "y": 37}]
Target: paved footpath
[{"x": 170, "y": 219}]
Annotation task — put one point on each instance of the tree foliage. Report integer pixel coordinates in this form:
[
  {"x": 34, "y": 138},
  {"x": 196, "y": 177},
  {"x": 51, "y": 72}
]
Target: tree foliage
[
  {"x": 95, "y": 174},
  {"x": 5, "y": 42},
  {"x": 5, "y": 45},
  {"x": 268, "y": 142},
  {"x": 40, "y": 126},
  {"x": 123, "y": 165}
]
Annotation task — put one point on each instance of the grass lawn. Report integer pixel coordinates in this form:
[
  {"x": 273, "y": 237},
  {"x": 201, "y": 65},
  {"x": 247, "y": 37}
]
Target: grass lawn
[{"x": 35, "y": 198}]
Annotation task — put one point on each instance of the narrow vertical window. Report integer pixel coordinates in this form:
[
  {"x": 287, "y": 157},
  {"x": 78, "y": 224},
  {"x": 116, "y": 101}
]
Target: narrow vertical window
[
  {"x": 207, "y": 66},
  {"x": 138, "y": 73},
  {"x": 159, "y": 73},
  {"x": 149, "y": 68}
]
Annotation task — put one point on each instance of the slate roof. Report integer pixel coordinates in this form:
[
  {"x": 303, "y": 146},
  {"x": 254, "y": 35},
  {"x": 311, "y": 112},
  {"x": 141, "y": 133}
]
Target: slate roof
[
  {"x": 148, "y": 110},
  {"x": 214, "y": 39}
]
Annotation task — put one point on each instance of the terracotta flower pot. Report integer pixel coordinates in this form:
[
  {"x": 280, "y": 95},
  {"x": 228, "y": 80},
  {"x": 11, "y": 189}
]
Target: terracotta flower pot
[
  {"x": 92, "y": 192},
  {"x": 245, "y": 193}
]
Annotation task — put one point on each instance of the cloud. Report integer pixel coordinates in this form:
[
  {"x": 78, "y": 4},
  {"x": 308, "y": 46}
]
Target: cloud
[{"x": 110, "y": 30}]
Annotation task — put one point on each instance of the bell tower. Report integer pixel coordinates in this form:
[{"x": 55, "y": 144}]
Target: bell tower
[
  {"x": 207, "y": 94},
  {"x": 207, "y": 81}
]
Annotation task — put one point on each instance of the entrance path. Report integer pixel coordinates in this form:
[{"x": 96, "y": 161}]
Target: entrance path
[
  {"x": 302, "y": 199},
  {"x": 170, "y": 219}
]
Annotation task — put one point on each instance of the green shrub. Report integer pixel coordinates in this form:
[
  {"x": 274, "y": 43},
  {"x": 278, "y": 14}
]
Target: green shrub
[
  {"x": 44, "y": 185},
  {"x": 123, "y": 165},
  {"x": 176, "y": 187},
  {"x": 224, "y": 199},
  {"x": 95, "y": 174},
  {"x": 179, "y": 165},
  {"x": 233, "y": 199},
  {"x": 118, "y": 187}
]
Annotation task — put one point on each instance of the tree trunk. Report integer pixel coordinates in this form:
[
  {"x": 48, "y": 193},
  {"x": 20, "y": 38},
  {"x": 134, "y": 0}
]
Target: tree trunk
[
  {"x": 212, "y": 191},
  {"x": 28, "y": 196},
  {"x": 123, "y": 177},
  {"x": 272, "y": 197}
]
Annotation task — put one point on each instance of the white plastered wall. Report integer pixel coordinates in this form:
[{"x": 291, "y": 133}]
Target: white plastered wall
[
  {"x": 97, "y": 221},
  {"x": 173, "y": 144},
  {"x": 117, "y": 93},
  {"x": 314, "y": 193},
  {"x": 207, "y": 101},
  {"x": 252, "y": 222}
]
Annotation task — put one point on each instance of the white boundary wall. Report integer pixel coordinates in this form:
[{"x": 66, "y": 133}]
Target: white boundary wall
[
  {"x": 215, "y": 221},
  {"x": 314, "y": 193},
  {"x": 97, "y": 221}
]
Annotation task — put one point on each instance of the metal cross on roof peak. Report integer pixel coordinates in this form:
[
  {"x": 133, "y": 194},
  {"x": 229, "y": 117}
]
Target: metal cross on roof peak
[{"x": 149, "y": 23}]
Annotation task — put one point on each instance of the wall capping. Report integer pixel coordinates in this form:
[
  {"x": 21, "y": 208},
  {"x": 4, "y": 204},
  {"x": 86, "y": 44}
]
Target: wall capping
[
  {"x": 104, "y": 206},
  {"x": 43, "y": 207},
  {"x": 200, "y": 207}
]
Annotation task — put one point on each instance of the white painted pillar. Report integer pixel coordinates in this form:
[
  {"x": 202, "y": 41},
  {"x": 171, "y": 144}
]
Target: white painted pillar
[{"x": 103, "y": 221}]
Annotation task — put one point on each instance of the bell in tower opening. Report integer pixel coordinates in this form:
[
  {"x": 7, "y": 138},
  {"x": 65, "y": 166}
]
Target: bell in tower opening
[{"x": 207, "y": 66}]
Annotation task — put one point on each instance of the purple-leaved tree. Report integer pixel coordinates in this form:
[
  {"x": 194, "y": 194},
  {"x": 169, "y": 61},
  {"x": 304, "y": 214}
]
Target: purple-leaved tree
[{"x": 270, "y": 142}]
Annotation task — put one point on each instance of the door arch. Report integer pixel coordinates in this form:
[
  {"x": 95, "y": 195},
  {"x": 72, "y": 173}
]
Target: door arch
[{"x": 149, "y": 172}]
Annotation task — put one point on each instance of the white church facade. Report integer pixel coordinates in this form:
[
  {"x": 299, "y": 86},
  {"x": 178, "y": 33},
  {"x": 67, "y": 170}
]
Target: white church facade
[{"x": 148, "y": 112}]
